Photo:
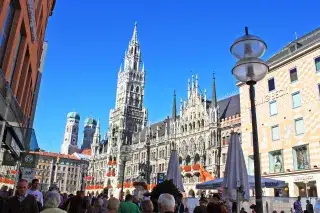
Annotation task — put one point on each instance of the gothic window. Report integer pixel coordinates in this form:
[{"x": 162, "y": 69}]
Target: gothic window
[
  {"x": 198, "y": 124},
  {"x": 202, "y": 123},
  {"x": 131, "y": 88},
  {"x": 182, "y": 129},
  {"x": 137, "y": 89},
  {"x": 190, "y": 126},
  {"x": 130, "y": 101},
  {"x": 134, "y": 76},
  {"x": 185, "y": 128},
  {"x": 137, "y": 103},
  {"x": 180, "y": 160},
  {"x": 188, "y": 160},
  {"x": 131, "y": 50},
  {"x": 194, "y": 125},
  {"x": 196, "y": 158},
  {"x": 135, "y": 66}
]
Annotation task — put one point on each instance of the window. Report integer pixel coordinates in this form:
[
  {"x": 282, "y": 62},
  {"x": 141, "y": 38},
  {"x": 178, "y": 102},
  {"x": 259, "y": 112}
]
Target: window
[
  {"x": 317, "y": 63},
  {"x": 296, "y": 100},
  {"x": 275, "y": 134},
  {"x": 273, "y": 108},
  {"x": 301, "y": 157},
  {"x": 15, "y": 58},
  {"x": 293, "y": 75},
  {"x": 271, "y": 84},
  {"x": 299, "y": 126},
  {"x": 275, "y": 161},
  {"x": 319, "y": 89},
  {"x": 4, "y": 35},
  {"x": 224, "y": 159}
]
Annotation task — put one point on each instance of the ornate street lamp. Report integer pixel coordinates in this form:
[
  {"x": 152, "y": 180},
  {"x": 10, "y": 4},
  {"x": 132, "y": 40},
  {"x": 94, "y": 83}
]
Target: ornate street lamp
[
  {"x": 250, "y": 69},
  {"x": 125, "y": 155}
]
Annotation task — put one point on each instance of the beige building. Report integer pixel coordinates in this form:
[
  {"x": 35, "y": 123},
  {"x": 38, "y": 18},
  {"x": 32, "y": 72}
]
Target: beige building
[{"x": 288, "y": 116}]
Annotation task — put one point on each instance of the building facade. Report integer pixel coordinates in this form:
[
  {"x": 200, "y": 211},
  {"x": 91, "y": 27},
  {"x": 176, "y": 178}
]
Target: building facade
[
  {"x": 200, "y": 131},
  {"x": 22, "y": 28},
  {"x": 287, "y": 102},
  {"x": 65, "y": 171}
]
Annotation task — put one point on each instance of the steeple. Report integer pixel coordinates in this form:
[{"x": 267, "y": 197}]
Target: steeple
[
  {"x": 134, "y": 38},
  {"x": 97, "y": 132},
  {"x": 214, "y": 93},
  {"x": 174, "y": 106}
]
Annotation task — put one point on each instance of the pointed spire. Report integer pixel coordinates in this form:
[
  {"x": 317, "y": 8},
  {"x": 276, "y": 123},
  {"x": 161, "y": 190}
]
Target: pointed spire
[
  {"x": 192, "y": 82},
  {"x": 134, "y": 38},
  {"x": 97, "y": 131},
  {"x": 189, "y": 87},
  {"x": 142, "y": 70},
  {"x": 120, "y": 68},
  {"x": 174, "y": 107},
  {"x": 214, "y": 93},
  {"x": 105, "y": 136}
]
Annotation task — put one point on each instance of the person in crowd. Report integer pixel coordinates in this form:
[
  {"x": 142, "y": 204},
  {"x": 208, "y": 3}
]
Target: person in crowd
[
  {"x": 64, "y": 197},
  {"x": 309, "y": 207},
  {"x": 146, "y": 206},
  {"x": 10, "y": 192},
  {"x": 281, "y": 211},
  {"x": 97, "y": 207},
  {"x": 242, "y": 210},
  {"x": 86, "y": 205},
  {"x": 191, "y": 202},
  {"x": 136, "y": 201},
  {"x": 128, "y": 205},
  {"x": 36, "y": 193},
  {"x": 274, "y": 211},
  {"x": 51, "y": 203},
  {"x": 202, "y": 208},
  {"x": 179, "y": 204},
  {"x": 297, "y": 205},
  {"x": 22, "y": 202},
  {"x": 76, "y": 203},
  {"x": 66, "y": 203},
  {"x": 166, "y": 203},
  {"x": 113, "y": 205},
  {"x": 4, "y": 191},
  {"x": 105, "y": 202},
  {"x": 213, "y": 207}
]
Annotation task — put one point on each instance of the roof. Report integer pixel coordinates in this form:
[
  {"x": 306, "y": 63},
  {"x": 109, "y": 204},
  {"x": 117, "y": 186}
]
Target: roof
[
  {"x": 73, "y": 115},
  {"x": 81, "y": 156},
  {"x": 57, "y": 155},
  {"x": 228, "y": 107},
  {"x": 296, "y": 46},
  {"x": 86, "y": 152}
]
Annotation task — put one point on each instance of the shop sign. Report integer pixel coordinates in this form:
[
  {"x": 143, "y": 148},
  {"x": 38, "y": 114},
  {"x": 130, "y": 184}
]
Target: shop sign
[
  {"x": 160, "y": 178},
  {"x": 270, "y": 97},
  {"x": 303, "y": 178},
  {"x": 28, "y": 160},
  {"x": 8, "y": 159},
  {"x": 28, "y": 173}
]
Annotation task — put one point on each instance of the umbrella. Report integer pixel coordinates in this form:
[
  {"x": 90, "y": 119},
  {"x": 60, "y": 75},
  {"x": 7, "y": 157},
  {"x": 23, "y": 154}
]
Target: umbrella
[
  {"x": 174, "y": 172},
  {"x": 265, "y": 182},
  {"x": 236, "y": 178}
]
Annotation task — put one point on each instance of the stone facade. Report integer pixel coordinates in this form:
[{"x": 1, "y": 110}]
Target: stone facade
[
  {"x": 287, "y": 103},
  {"x": 199, "y": 130}
]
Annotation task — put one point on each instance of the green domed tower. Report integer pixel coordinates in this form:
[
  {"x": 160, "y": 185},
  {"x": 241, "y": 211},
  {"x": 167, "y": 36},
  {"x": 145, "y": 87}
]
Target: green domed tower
[
  {"x": 88, "y": 132},
  {"x": 70, "y": 140}
]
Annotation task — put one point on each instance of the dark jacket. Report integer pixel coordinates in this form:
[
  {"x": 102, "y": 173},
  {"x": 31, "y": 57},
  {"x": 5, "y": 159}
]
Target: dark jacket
[
  {"x": 179, "y": 209},
  {"x": 28, "y": 205},
  {"x": 75, "y": 204},
  {"x": 309, "y": 208}
]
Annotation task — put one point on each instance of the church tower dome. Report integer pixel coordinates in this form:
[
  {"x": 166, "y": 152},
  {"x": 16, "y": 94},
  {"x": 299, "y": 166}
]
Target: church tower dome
[{"x": 70, "y": 140}]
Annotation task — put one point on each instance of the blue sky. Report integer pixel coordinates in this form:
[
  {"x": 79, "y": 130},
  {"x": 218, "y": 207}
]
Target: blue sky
[{"x": 87, "y": 44}]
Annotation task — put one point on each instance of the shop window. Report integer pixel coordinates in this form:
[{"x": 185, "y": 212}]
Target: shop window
[
  {"x": 301, "y": 157},
  {"x": 276, "y": 161}
]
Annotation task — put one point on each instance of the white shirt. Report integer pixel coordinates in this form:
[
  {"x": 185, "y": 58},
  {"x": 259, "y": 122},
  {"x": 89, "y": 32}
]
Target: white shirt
[{"x": 38, "y": 195}]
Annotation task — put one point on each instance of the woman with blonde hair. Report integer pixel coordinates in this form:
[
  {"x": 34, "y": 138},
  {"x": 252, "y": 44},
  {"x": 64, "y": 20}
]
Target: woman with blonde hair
[{"x": 113, "y": 205}]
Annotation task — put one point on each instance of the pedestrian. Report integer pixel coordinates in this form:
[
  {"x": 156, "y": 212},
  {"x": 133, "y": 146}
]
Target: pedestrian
[
  {"x": 22, "y": 202},
  {"x": 76, "y": 203},
  {"x": 113, "y": 205},
  {"x": 166, "y": 203},
  {"x": 36, "y": 193},
  {"x": 309, "y": 207},
  {"x": 97, "y": 207},
  {"x": 297, "y": 205},
  {"x": 128, "y": 205},
  {"x": 146, "y": 206},
  {"x": 202, "y": 208},
  {"x": 86, "y": 206},
  {"x": 52, "y": 201},
  {"x": 179, "y": 204}
]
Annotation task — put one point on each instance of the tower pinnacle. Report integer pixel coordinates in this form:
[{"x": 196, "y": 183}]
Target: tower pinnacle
[
  {"x": 134, "y": 38},
  {"x": 214, "y": 93},
  {"x": 174, "y": 106}
]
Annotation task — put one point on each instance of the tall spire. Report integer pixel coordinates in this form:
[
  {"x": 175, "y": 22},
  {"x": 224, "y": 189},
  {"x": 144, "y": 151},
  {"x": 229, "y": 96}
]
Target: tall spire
[
  {"x": 134, "y": 38},
  {"x": 214, "y": 93},
  {"x": 97, "y": 131},
  {"x": 174, "y": 106}
]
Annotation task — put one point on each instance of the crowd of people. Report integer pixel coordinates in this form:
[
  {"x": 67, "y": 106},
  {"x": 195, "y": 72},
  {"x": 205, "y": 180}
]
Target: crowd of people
[{"x": 28, "y": 199}]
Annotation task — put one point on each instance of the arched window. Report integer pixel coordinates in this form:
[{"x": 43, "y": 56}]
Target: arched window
[
  {"x": 194, "y": 125},
  {"x": 131, "y": 88},
  {"x": 137, "y": 103},
  {"x": 202, "y": 123},
  {"x": 130, "y": 101},
  {"x": 185, "y": 127},
  {"x": 196, "y": 158},
  {"x": 137, "y": 89},
  {"x": 134, "y": 75},
  {"x": 180, "y": 160},
  {"x": 182, "y": 129}
]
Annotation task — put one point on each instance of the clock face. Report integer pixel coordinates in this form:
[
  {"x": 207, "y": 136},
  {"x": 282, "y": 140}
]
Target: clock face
[{"x": 28, "y": 159}]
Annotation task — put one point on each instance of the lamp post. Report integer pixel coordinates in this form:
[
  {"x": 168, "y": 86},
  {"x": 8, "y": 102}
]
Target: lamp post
[
  {"x": 124, "y": 157},
  {"x": 250, "y": 69}
]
